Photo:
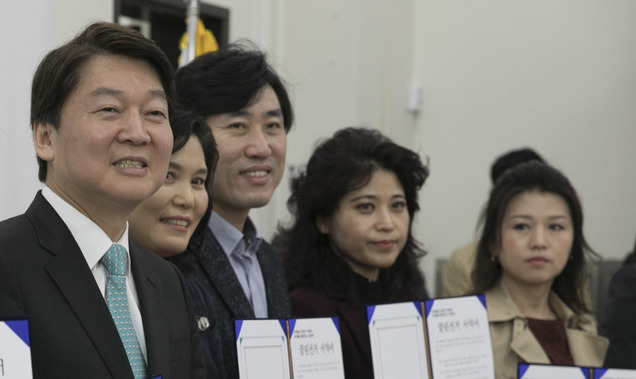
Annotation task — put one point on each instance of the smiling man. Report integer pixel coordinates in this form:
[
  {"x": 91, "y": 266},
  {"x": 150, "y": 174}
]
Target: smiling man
[
  {"x": 248, "y": 110},
  {"x": 99, "y": 306}
]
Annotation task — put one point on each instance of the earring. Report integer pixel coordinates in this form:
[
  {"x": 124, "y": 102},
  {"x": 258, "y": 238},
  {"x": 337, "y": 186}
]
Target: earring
[{"x": 492, "y": 257}]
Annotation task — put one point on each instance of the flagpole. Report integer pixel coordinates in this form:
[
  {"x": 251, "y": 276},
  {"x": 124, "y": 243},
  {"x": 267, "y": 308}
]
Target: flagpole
[{"x": 193, "y": 16}]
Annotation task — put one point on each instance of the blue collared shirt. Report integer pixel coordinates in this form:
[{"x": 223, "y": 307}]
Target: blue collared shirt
[{"x": 241, "y": 248}]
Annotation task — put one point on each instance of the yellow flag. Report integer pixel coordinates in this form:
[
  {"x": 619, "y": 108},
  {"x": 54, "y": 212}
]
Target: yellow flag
[{"x": 204, "y": 41}]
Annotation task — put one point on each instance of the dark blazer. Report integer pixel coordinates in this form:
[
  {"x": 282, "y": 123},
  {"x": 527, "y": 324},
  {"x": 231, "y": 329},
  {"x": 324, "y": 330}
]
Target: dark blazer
[
  {"x": 354, "y": 330},
  {"x": 211, "y": 345},
  {"x": 43, "y": 275},
  {"x": 617, "y": 323},
  {"x": 210, "y": 268}
]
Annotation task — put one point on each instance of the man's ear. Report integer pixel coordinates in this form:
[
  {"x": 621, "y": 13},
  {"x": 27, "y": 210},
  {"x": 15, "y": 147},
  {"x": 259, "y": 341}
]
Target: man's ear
[
  {"x": 42, "y": 140},
  {"x": 322, "y": 225}
]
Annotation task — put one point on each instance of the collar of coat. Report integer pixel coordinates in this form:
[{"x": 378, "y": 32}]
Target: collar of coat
[{"x": 502, "y": 308}]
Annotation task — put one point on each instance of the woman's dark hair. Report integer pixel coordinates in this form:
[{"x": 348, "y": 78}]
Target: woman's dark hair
[
  {"x": 339, "y": 165},
  {"x": 187, "y": 123},
  {"x": 510, "y": 159},
  {"x": 534, "y": 176}
]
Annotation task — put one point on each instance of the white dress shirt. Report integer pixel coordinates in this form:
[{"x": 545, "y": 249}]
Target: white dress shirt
[{"x": 94, "y": 243}]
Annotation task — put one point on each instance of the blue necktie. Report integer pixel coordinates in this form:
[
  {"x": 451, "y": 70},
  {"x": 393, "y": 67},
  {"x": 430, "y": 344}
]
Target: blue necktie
[{"x": 115, "y": 262}]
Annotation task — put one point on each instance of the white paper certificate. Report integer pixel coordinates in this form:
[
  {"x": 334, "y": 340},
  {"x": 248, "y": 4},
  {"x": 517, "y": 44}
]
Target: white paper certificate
[
  {"x": 398, "y": 346},
  {"x": 262, "y": 350},
  {"x": 316, "y": 352},
  {"x": 613, "y": 373},
  {"x": 459, "y": 338},
  {"x": 536, "y": 371},
  {"x": 15, "y": 350}
]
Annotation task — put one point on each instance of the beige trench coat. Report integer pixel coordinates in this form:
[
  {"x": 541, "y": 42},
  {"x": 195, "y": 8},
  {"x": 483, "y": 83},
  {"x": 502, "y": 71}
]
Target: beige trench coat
[{"x": 513, "y": 342}]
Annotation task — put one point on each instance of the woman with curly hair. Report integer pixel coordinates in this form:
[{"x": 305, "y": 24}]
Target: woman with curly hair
[{"x": 351, "y": 243}]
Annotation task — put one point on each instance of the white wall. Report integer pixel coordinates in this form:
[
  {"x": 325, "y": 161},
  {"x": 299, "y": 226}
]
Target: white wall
[
  {"x": 347, "y": 63},
  {"x": 557, "y": 76},
  {"x": 497, "y": 75},
  {"x": 28, "y": 34}
]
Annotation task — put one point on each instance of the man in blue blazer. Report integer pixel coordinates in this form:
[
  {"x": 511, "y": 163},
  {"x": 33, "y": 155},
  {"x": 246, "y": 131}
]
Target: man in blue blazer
[
  {"x": 248, "y": 110},
  {"x": 99, "y": 113}
]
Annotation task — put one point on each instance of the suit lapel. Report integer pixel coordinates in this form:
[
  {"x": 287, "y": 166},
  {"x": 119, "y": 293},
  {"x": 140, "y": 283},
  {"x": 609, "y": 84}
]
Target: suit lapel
[
  {"x": 73, "y": 277},
  {"x": 220, "y": 273},
  {"x": 586, "y": 349},
  {"x": 526, "y": 346},
  {"x": 274, "y": 279},
  {"x": 152, "y": 312},
  {"x": 502, "y": 309}
]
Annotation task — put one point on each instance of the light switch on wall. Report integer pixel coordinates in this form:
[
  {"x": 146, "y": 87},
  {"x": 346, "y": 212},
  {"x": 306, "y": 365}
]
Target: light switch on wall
[{"x": 414, "y": 98}]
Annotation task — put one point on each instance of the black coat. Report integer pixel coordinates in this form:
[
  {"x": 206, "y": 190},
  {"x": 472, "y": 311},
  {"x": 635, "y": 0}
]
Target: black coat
[
  {"x": 44, "y": 276},
  {"x": 210, "y": 269},
  {"x": 617, "y": 323}
]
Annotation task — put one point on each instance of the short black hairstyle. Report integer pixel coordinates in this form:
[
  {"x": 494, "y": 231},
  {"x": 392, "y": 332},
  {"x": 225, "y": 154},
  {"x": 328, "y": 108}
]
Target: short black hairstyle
[
  {"x": 510, "y": 159},
  {"x": 228, "y": 80},
  {"x": 60, "y": 72}
]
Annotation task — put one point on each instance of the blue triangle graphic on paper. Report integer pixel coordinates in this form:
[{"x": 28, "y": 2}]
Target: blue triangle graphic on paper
[
  {"x": 599, "y": 372},
  {"x": 283, "y": 325},
  {"x": 418, "y": 307},
  {"x": 20, "y": 328},
  {"x": 482, "y": 299},
  {"x": 336, "y": 322},
  {"x": 585, "y": 371},
  {"x": 428, "y": 305},
  {"x": 238, "y": 324},
  {"x": 370, "y": 311}
]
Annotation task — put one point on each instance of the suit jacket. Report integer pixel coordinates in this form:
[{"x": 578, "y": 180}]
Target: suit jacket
[
  {"x": 618, "y": 319},
  {"x": 210, "y": 267},
  {"x": 513, "y": 342},
  {"x": 44, "y": 276},
  {"x": 211, "y": 345}
]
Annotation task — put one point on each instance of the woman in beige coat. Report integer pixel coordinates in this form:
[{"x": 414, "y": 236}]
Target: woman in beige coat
[{"x": 531, "y": 266}]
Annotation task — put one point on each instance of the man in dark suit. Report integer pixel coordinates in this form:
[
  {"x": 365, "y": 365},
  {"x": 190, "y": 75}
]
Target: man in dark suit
[
  {"x": 248, "y": 110},
  {"x": 99, "y": 113}
]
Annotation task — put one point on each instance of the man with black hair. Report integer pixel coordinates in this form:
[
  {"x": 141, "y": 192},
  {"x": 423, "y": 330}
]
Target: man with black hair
[
  {"x": 248, "y": 110},
  {"x": 99, "y": 306}
]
